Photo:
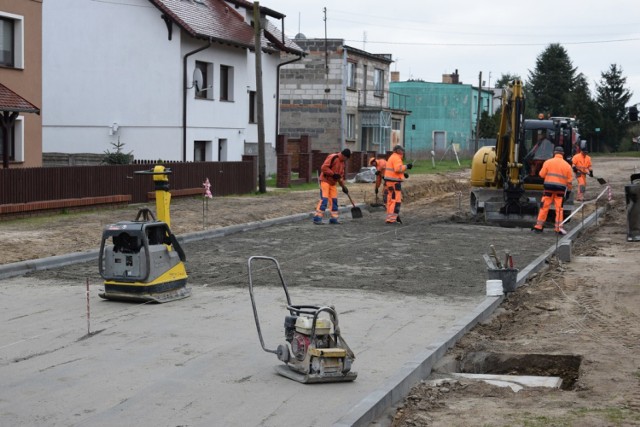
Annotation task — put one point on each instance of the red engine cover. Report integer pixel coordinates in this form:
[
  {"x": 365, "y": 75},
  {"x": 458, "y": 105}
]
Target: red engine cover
[{"x": 299, "y": 345}]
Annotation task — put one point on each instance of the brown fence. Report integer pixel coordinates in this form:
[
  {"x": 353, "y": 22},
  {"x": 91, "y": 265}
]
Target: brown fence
[{"x": 29, "y": 185}]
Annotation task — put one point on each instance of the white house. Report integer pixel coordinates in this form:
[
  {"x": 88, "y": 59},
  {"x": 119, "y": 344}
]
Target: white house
[{"x": 169, "y": 79}]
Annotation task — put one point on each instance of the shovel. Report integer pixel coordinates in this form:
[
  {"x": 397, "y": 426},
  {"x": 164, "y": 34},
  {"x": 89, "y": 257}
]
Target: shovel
[
  {"x": 601, "y": 181},
  {"x": 376, "y": 204},
  {"x": 355, "y": 211}
]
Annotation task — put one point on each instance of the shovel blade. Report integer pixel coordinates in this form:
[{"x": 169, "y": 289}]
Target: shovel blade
[
  {"x": 356, "y": 213},
  {"x": 601, "y": 181}
]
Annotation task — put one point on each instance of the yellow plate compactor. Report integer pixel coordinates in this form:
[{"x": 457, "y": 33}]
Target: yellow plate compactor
[{"x": 141, "y": 260}]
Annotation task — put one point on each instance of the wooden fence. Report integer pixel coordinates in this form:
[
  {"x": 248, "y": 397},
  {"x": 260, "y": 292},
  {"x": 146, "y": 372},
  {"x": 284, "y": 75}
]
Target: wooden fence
[{"x": 33, "y": 185}]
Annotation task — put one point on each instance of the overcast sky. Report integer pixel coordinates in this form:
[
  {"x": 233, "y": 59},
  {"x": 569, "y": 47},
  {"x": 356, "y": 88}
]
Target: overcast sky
[{"x": 429, "y": 38}]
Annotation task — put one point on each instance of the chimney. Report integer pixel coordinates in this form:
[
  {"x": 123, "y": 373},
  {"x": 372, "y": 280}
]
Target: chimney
[
  {"x": 451, "y": 78},
  {"x": 395, "y": 76}
]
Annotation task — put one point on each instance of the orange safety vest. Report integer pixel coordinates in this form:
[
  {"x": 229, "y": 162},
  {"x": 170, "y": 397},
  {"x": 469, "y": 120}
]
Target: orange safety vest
[
  {"x": 394, "y": 170},
  {"x": 332, "y": 164},
  {"x": 557, "y": 173},
  {"x": 582, "y": 162}
]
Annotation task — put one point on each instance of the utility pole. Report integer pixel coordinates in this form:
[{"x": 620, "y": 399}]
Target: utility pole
[
  {"x": 257, "y": 24},
  {"x": 478, "y": 113}
]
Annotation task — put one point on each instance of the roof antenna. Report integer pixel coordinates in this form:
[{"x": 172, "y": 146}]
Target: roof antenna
[{"x": 326, "y": 52}]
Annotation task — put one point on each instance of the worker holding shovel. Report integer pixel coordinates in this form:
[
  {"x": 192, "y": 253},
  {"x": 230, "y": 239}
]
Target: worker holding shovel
[
  {"x": 331, "y": 174},
  {"x": 582, "y": 167},
  {"x": 394, "y": 174}
]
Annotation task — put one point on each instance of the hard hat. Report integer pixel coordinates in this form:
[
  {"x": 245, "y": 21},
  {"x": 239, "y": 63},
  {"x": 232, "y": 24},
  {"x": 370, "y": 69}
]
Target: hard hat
[
  {"x": 558, "y": 149},
  {"x": 398, "y": 147}
]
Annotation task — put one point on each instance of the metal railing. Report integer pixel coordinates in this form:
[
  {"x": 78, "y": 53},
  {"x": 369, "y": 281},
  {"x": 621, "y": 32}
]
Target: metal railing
[{"x": 382, "y": 99}]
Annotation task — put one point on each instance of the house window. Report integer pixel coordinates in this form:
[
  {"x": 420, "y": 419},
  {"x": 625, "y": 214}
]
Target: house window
[
  {"x": 351, "y": 75},
  {"x": 395, "y": 124},
  {"x": 253, "y": 107},
  {"x": 226, "y": 83},
  {"x": 364, "y": 78},
  {"x": 11, "y": 40},
  {"x": 200, "y": 150},
  {"x": 351, "y": 126},
  {"x": 16, "y": 145},
  {"x": 378, "y": 82},
  {"x": 204, "y": 90}
]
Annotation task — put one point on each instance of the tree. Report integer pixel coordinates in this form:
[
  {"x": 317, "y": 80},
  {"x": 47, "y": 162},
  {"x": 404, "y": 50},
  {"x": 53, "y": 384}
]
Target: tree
[
  {"x": 552, "y": 81},
  {"x": 584, "y": 108},
  {"x": 612, "y": 98},
  {"x": 487, "y": 126},
  {"x": 117, "y": 157},
  {"x": 505, "y": 79}
]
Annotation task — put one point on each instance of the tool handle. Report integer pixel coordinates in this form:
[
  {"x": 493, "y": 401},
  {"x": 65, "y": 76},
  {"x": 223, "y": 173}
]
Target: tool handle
[
  {"x": 495, "y": 255},
  {"x": 351, "y": 200}
]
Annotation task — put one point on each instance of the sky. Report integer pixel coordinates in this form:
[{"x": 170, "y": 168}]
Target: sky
[{"x": 429, "y": 38}]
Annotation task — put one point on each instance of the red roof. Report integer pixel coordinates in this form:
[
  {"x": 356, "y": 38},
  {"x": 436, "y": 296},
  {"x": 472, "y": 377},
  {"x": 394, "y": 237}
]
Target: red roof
[
  {"x": 11, "y": 101},
  {"x": 216, "y": 20}
]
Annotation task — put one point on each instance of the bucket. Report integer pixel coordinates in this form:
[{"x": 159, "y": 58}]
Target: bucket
[
  {"x": 494, "y": 288},
  {"x": 509, "y": 277}
]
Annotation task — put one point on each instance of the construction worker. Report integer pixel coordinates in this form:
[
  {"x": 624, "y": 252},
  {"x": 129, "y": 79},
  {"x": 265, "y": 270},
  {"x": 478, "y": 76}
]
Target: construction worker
[
  {"x": 582, "y": 168},
  {"x": 394, "y": 173},
  {"x": 557, "y": 185},
  {"x": 380, "y": 165},
  {"x": 331, "y": 174}
]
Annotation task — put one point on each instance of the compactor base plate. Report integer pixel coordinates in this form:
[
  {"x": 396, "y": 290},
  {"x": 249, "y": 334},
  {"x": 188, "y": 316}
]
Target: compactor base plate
[{"x": 286, "y": 371}]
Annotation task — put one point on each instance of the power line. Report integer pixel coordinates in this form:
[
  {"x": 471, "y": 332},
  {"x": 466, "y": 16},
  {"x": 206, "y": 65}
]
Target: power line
[{"x": 495, "y": 44}]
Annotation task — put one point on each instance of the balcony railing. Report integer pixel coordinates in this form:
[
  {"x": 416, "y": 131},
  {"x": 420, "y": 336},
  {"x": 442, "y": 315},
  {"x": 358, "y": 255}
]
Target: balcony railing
[{"x": 382, "y": 99}]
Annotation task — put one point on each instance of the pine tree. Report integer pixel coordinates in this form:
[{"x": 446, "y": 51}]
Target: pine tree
[
  {"x": 612, "y": 98},
  {"x": 552, "y": 81}
]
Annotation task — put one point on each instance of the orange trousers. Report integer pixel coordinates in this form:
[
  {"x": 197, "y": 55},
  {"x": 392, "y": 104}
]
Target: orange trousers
[
  {"x": 394, "y": 200},
  {"x": 582, "y": 186},
  {"x": 548, "y": 197}
]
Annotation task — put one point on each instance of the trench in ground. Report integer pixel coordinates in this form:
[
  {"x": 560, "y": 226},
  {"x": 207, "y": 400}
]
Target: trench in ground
[{"x": 564, "y": 366}]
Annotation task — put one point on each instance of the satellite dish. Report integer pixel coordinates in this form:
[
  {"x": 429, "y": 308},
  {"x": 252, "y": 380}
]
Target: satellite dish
[{"x": 198, "y": 80}]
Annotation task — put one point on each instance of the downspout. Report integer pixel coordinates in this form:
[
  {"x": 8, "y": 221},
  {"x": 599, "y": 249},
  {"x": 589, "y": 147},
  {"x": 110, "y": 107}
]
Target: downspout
[
  {"x": 278, "y": 93},
  {"x": 184, "y": 98},
  {"x": 343, "y": 116}
]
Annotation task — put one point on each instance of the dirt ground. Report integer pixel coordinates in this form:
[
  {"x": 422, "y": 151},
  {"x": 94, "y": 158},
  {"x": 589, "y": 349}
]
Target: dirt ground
[
  {"x": 588, "y": 309},
  {"x": 57, "y": 234}
]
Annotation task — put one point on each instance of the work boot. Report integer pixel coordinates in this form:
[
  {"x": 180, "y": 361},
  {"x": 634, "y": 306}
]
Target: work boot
[
  {"x": 536, "y": 230},
  {"x": 334, "y": 221},
  {"x": 317, "y": 220},
  {"x": 399, "y": 220}
]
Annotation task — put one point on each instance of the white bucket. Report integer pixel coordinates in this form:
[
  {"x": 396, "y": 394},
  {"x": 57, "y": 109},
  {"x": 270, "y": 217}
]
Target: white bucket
[{"x": 494, "y": 288}]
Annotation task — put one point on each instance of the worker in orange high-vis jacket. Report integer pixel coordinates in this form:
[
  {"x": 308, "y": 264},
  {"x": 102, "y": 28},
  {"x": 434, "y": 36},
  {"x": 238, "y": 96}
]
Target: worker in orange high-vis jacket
[
  {"x": 380, "y": 165},
  {"x": 582, "y": 167},
  {"x": 557, "y": 185},
  {"x": 331, "y": 174},
  {"x": 394, "y": 173}
]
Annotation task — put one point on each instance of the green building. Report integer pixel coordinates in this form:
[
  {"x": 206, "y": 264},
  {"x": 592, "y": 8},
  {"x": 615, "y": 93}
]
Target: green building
[{"x": 442, "y": 114}]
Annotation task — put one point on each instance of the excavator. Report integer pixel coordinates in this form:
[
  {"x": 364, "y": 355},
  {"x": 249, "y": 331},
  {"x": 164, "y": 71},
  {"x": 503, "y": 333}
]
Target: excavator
[{"x": 505, "y": 180}]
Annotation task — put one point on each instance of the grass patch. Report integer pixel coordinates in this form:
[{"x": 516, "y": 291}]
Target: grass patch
[
  {"x": 442, "y": 166},
  {"x": 621, "y": 154}
]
